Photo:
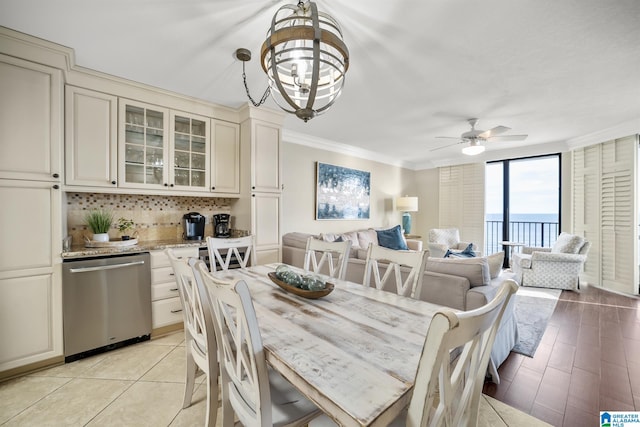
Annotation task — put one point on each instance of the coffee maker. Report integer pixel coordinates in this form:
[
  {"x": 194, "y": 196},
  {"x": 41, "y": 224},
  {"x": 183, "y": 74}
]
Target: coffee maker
[
  {"x": 193, "y": 224},
  {"x": 221, "y": 225}
]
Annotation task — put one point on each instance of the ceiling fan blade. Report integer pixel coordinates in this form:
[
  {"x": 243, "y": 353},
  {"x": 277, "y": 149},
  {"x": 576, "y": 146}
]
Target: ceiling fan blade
[
  {"x": 448, "y": 137},
  {"x": 495, "y": 131},
  {"x": 447, "y": 146},
  {"x": 508, "y": 138}
]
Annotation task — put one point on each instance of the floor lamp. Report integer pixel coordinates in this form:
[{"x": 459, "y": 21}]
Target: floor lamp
[{"x": 407, "y": 204}]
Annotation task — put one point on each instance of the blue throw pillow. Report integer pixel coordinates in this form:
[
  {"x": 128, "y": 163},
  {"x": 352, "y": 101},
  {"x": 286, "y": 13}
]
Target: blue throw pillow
[
  {"x": 466, "y": 253},
  {"x": 392, "y": 238}
]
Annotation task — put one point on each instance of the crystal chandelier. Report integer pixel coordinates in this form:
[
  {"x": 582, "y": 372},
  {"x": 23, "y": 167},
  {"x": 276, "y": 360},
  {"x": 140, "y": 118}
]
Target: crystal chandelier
[{"x": 305, "y": 59}]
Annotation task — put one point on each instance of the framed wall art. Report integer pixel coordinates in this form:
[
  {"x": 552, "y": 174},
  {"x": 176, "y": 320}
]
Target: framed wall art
[{"x": 342, "y": 193}]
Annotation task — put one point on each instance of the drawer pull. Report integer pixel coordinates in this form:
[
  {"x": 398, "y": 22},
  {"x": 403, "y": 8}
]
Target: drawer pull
[
  {"x": 176, "y": 311},
  {"x": 171, "y": 274},
  {"x": 174, "y": 290}
]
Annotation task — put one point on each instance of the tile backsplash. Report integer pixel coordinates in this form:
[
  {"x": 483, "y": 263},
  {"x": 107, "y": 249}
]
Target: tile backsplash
[{"x": 155, "y": 217}]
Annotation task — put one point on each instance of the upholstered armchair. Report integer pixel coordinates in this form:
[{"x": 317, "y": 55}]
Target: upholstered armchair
[
  {"x": 443, "y": 239},
  {"x": 558, "y": 267}
]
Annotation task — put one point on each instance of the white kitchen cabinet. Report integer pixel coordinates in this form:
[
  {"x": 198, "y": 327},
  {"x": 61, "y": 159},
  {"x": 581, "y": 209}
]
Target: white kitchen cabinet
[
  {"x": 30, "y": 275},
  {"x": 189, "y": 152},
  {"x": 265, "y": 226},
  {"x": 265, "y": 157},
  {"x": 166, "y": 308},
  {"x": 225, "y": 157},
  {"x": 143, "y": 145},
  {"x": 30, "y": 120},
  {"x": 162, "y": 149},
  {"x": 260, "y": 134},
  {"x": 91, "y": 131}
]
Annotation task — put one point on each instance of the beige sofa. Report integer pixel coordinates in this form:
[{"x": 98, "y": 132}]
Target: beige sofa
[{"x": 459, "y": 283}]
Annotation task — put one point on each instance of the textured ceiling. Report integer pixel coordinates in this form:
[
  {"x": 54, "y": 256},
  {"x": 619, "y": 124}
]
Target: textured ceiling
[{"x": 555, "y": 70}]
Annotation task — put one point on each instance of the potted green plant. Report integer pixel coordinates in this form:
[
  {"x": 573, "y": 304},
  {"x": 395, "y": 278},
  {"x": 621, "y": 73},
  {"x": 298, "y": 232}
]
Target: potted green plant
[
  {"x": 99, "y": 222},
  {"x": 124, "y": 225}
]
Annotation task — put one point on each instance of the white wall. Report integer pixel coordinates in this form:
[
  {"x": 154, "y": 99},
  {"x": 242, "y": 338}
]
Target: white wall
[{"x": 298, "y": 196}]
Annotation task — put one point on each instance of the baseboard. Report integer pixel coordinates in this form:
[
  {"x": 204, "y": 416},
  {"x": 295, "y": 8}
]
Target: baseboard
[{"x": 30, "y": 368}]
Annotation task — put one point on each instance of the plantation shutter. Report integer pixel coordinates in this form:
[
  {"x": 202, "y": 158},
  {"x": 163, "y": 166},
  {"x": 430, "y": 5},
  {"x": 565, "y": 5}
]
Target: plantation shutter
[
  {"x": 618, "y": 219},
  {"x": 605, "y": 212},
  {"x": 461, "y": 202},
  {"x": 586, "y": 207}
]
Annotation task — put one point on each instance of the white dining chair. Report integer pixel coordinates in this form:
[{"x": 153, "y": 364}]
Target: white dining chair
[
  {"x": 392, "y": 261},
  {"x": 199, "y": 332},
  {"x": 447, "y": 393},
  {"x": 258, "y": 396},
  {"x": 329, "y": 250},
  {"x": 223, "y": 251}
]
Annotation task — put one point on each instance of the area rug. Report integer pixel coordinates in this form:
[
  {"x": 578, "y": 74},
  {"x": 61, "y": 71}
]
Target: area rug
[{"x": 534, "y": 307}]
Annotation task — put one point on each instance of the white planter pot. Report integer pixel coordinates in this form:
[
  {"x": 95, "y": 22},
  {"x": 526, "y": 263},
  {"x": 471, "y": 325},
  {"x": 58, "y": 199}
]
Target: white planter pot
[{"x": 101, "y": 237}]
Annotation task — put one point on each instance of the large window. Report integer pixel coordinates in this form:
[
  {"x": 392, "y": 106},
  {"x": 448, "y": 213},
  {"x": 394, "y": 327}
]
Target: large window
[{"x": 522, "y": 202}]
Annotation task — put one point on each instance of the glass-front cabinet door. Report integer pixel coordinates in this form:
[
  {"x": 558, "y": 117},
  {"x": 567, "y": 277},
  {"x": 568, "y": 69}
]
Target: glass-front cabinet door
[
  {"x": 190, "y": 140},
  {"x": 143, "y": 145}
]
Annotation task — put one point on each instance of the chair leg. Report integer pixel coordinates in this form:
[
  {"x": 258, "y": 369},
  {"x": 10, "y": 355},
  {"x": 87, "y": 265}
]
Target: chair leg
[
  {"x": 190, "y": 379},
  {"x": 212, "y": 399}
]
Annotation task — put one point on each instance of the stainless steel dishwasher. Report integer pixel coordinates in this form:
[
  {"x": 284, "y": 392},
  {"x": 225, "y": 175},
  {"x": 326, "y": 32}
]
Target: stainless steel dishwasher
[{"x": 106, "y": 303}]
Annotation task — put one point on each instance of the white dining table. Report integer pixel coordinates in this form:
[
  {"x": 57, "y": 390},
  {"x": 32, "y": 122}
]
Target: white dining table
[{"x": 353, "y": 352}]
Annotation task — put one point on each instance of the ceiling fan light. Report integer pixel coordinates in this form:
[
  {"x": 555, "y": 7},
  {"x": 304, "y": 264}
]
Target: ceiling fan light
[{"x": 474, "y": 148}]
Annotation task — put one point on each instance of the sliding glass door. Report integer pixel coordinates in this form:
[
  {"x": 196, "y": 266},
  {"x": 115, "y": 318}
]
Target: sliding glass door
[{"x": 522, "y": 202}]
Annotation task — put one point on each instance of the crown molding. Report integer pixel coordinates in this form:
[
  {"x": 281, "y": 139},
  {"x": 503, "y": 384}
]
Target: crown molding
[
  {"x": 293, "y": 137},
  {"x": 630, "y": 127}
]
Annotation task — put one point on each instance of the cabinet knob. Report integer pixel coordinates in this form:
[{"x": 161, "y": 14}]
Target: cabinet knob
[
  {"x": 253, "y": 195},
  {"x": 213, "y": 188},
  {"x": 113, "y": 182},
  {"x": 55, "y": 175},
  {"x": 166, "y": 185},
  {"x": 253, "y": 188},
  {"x": 171, "y": 185},
  {"x": 56, "y": 186}
]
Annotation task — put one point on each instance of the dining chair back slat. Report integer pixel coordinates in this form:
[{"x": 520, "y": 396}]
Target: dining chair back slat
[
  {"x": 241, "y": 249},
  {"x": 200, "y": 343},
  {"x": 328, "y": 250},
  {"x": 393, "y": 261}
]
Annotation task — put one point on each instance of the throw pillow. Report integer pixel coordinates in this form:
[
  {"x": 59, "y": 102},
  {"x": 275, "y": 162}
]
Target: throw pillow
[
  {"x": 392, "y": 238},
  {"x": 353, "y": 236},
  {"x": 468, "y": 252},
  {"x": 568, "y": 244},
  {"x": 367, "y": 236},
  {"x": 495, "y": 264}
]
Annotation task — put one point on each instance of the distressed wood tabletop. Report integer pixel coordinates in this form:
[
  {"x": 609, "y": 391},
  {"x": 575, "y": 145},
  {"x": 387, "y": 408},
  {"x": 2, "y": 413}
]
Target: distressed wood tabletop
[{"x": 353, "y": 352}]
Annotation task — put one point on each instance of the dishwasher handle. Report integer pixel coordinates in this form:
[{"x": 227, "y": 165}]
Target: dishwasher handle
[{"x": 105, "y": 267}]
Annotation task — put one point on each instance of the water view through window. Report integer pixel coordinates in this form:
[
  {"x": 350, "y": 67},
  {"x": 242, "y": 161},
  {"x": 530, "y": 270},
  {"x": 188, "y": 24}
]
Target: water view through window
[{"x": 522, "y": 202}]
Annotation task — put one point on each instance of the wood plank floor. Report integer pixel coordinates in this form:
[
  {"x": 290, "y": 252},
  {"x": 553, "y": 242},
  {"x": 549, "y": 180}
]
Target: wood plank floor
[{"x": 588, "y": 361}]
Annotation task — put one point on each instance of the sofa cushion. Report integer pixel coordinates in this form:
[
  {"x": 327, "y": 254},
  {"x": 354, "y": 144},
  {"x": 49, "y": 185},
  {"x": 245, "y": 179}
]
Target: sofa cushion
[
  {"x": 367, "y": 236},
  {"x": 296, "y": 239},
  {"x": 392, "y": 238},
  {"x": 495, "y": 264},
  {"x": 568, "y": 244},
  {"x": 476, "y": 270}
]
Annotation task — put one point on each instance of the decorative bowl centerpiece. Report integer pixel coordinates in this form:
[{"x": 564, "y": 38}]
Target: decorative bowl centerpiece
[{"x": 307, "y": 286}]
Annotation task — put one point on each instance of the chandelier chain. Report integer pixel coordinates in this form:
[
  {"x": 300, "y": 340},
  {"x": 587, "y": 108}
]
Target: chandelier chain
[{"x": 265, "y": 95}]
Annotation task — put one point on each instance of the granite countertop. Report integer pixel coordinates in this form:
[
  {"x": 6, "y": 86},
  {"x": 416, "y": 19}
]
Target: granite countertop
[{"x": 80, "y": 251}]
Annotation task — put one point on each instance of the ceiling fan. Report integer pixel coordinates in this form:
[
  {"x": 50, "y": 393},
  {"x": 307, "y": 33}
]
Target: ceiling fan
[{"x": 475, "y": 137}]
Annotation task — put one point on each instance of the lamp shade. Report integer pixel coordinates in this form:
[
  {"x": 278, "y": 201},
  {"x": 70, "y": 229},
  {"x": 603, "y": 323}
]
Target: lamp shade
[{"x": 407, "y": 204}]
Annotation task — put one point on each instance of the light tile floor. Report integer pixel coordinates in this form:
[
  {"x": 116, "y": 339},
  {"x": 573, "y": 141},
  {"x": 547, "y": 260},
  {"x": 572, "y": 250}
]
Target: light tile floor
[{"x": 139, "y": 385}]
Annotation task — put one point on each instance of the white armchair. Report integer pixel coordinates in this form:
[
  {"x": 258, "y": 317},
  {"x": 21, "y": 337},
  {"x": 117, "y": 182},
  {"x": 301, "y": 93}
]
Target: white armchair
[
  {"x": 443, "y": 239},
  {"x": 558, "y": 267}
]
